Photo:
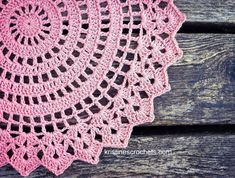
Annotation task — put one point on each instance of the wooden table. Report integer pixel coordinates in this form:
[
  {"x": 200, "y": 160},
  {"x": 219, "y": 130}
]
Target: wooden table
[{"x": 194, "y": 132}]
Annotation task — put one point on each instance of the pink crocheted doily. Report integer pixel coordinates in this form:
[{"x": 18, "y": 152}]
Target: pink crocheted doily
[{"x": 77, "y": 75}]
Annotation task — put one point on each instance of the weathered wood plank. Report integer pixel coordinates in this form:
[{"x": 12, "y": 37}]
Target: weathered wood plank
[
  {"x": 210, "y": 11},
  {"x": 203, "y": 82},
  {"x": 174, "y": 156},
  {"x": 218, "y": 11}
]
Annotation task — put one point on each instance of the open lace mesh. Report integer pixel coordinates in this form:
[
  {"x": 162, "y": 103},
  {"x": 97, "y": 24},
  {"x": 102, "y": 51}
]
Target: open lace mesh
[{"x": 77, "y": 75}]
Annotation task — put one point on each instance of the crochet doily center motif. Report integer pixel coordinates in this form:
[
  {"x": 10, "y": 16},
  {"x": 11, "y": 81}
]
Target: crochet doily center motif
[
  {"x": 78, "y": 75},
  {"x": 29, "y": 24}
]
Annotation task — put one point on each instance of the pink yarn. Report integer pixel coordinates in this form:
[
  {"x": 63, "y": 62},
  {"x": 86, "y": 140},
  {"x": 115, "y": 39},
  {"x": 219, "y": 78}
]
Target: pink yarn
[{"x": 78, "y": 75}]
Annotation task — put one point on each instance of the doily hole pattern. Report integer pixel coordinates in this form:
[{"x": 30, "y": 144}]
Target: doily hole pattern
[{"x": 77, "y": 75}]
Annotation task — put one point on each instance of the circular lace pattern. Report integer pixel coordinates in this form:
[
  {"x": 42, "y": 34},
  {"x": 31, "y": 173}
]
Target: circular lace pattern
[{"x": 77, "y": 75}]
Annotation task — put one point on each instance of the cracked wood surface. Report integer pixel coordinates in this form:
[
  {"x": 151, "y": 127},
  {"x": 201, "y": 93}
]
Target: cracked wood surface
[{"x": 203, "y": 82}]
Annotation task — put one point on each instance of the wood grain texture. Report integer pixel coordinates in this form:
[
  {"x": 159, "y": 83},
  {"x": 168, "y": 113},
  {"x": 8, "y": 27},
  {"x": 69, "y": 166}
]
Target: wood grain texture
[
  {"x": 218, "y": 11},
  {"x": 203, "y": 82},
  {"x": 210, "y": 11},
  {"x": 168, "y": 155}
]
